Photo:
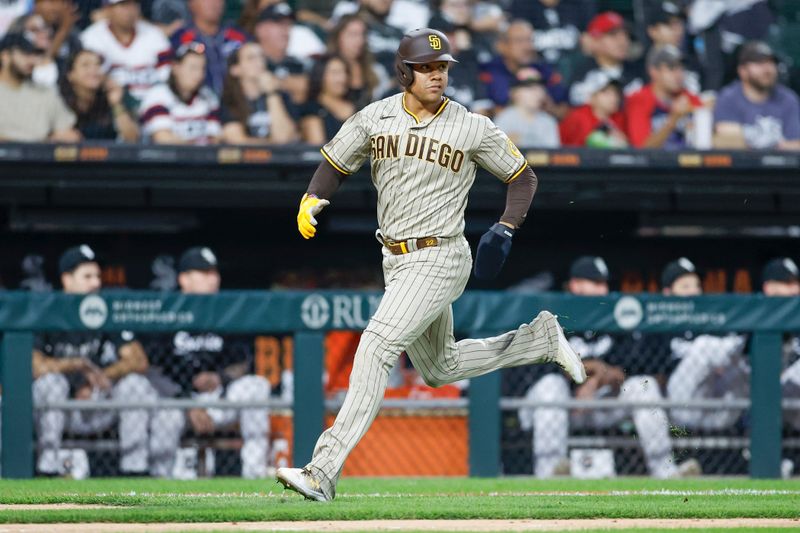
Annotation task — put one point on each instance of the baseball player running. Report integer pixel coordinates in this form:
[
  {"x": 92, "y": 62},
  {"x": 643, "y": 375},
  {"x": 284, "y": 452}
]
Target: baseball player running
[{"x": 424, "y": 150}]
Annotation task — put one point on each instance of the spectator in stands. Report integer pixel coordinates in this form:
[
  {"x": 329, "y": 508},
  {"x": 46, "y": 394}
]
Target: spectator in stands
[
  {"x": 525, "y": 121},
  {"x": 558, "y": 24},
  {"x": 616, "y": 367},
  {"x": 302, "y": 44},
  {"x": 29, "y": 113},
  {"x": 598, "y": 123},
  {"x": 220, "y": 40},
  {"x": 666, "y": 25},
  {"x": 169, "y": 15},
  {"x": 272, "y": 30},
  {"x": 368, "y": 78},
  {"x": 474, "y": 24},
  {"x": 254, "y": 110},
  {"x": 608, "y": 45},
  {"x": 208, "y": 366},
  {"x": 706, "y": 366},
  {"x": 328, "y": 104},
  {"x": 183, "y": 110},
  {"x": 515, "y": 51},
  {"x": 464, "y": 84},
  {"x": 10, "y": 11},
  {"x": 91, "y": 365},
  {"x": 757, "y": 112},
  {"x": 723, "y": 27},
  {"x": 135, "y": 52},
  {"x": 660, "y": 114},
  {"x": 382, "y": 38},
  {"x": 46, "y": 71},
  {"x": 96, "y": 100},
  {"x": 61, "y": 16}
]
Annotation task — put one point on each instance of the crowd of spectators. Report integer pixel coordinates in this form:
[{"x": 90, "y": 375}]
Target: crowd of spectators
[{"x": 673, "y": 74}]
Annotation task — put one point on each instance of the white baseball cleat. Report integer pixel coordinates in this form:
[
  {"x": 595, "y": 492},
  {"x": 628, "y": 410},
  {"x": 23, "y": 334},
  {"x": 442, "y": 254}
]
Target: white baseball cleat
[
  {"x": 566, "y": 356},
  {"x": 301, "y": 481}
]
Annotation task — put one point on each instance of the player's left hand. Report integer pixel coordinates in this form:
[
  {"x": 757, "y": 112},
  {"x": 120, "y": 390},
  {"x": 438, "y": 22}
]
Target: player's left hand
[
  {"x": 494, "y": 247},
  {"x": 310, "y": 206}
]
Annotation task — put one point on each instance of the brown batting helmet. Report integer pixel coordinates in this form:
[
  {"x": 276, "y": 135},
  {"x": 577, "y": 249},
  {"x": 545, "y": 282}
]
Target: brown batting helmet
[{"x": 420, "y": 46}]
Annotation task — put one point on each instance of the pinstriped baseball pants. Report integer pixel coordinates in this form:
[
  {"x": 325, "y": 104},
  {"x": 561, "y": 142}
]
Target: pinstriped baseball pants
[{"x": 415, "y": 315}]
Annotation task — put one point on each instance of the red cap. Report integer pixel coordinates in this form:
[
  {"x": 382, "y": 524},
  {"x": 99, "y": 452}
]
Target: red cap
[{"x": 604, "y": 23}]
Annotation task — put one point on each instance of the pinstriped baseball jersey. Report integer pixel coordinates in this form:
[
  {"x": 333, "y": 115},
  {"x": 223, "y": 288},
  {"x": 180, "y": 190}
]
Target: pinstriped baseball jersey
[{"x": 423, "y": 170}]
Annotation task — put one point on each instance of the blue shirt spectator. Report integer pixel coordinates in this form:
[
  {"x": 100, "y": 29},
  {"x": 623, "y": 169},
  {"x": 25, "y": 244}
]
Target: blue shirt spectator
[
  {"x": 757, "y": 111},
  {"x": 516, "y": 51}
]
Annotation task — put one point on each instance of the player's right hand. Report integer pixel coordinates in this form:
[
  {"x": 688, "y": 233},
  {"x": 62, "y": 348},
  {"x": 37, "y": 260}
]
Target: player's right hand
[{"x": 310, "y": 206}]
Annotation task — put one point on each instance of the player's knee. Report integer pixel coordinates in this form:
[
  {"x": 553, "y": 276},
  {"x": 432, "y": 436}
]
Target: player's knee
[
  {"x": 386, "y": 348},
  {"x": 51, "y": 387},
  {"x": 432, "y": 380},
  {"x": 552, "y": 387}
]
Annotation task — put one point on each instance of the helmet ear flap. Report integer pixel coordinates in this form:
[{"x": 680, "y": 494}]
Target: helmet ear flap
[{"x": 405, "y": 74}]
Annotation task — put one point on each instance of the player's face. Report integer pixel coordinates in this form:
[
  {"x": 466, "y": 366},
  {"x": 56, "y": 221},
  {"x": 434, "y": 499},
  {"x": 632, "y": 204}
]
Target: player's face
[
  {"x": 199, "y": 281},
  {"x": 352, "y": 39},
  {"x": 334, "y": 81},
  {"x": 763, "y": 75},
  {"x": 190, "y": 72},
  {"x": 124, "y": 14},
  {"x": 82, "y": 280},
  {"x": 686, "y": 285},
  {"x": 86, "y": 71},
  {"x": 430, "y": 81},
  {"x": 781, "y": 288},
  {"x": 587, "y": 287}
]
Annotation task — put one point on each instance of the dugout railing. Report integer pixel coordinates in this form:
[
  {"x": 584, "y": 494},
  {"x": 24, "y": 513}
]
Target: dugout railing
[{"x": 308, "y": 315}]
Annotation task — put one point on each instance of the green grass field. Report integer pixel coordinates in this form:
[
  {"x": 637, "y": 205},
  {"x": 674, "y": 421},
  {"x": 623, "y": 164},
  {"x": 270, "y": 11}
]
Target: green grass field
[{"x": 225, "y": 500}]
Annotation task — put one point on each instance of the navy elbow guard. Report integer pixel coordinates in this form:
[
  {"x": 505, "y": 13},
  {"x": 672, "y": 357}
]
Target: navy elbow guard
[{"x": 493, "y": 249}]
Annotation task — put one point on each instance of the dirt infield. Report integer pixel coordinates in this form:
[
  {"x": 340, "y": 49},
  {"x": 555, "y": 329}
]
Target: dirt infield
[{"x": 411, "y": 525}]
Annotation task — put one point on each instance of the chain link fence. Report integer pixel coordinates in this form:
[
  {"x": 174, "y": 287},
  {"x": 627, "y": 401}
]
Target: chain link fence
[
  {"x": 659, "y": 405},
  {"x": 419, "y": 431},
  {"x": 790, "y": 387},
  {"x": 177, "y": 391}
]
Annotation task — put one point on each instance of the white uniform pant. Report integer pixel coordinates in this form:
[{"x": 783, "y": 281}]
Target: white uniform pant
[
  {"x": 134, "y": 424},
  {"x": 551, "y": 424},
  {"x": 415, "y": 315},
  {"x": 253, "y": 423},
  {"x": 711, "y": 367}
]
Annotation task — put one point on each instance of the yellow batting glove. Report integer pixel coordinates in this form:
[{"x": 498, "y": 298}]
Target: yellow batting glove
[{"x": 310, "y": 206}]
